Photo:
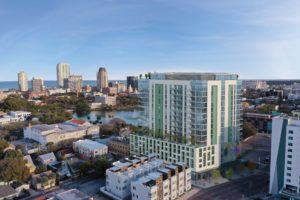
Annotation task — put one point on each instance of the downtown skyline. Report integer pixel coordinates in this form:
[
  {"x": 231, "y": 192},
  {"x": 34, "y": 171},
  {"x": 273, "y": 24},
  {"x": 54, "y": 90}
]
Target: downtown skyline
[{"x": 156, "y": 36}]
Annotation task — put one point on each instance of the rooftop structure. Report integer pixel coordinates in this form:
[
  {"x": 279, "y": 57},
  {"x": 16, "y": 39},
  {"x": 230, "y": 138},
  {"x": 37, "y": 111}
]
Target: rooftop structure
[
  {"x": 7, "y": 192},
  {"x": 138, "y": 176},
  {"x": 47, "y": 159},
  {"x": 73, "y": 129},
  {"x": 89, "y": 149}
]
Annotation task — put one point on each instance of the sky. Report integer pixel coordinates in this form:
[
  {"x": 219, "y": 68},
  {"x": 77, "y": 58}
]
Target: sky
[{"x": 256, "y": 39}]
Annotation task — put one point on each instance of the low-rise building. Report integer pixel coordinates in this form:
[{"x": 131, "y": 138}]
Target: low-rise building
[
  {"x": 89, "y": 149},
  {"x": 119, "y": 146},
  {"x": 29, "y": 164},
  {"x": 43, "y": 180},
  {"x": 22, "y": 115},
  {"x": 7, "y": 192},
  {"x": 110, "y": 90},
  {"x": 14, "y": 116},
  {"x": 147, "y": 178},
  {"x": 56, "y": 133},
  {"x": 47, "y": 159},
  {"x": 263, "y": 122},
  {"x": 58, "y": 91},
  {"x": 106, "y": 100}
]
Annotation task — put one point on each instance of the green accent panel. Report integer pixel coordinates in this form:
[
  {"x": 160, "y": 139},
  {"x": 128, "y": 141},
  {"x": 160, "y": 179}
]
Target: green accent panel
[
  {"x": 281, "y": 155},
  {"x": 214, "y": 115},
  {"x": 230, "y": 102},
  {"x": 159, "y": 110}
]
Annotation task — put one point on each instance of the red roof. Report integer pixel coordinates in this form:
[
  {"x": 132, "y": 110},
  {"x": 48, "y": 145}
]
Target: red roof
[{"x": 76, "y": 121}]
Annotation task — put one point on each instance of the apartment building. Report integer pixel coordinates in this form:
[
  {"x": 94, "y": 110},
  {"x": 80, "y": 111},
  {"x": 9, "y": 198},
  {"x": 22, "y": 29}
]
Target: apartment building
[
  {"x": 167, "y": 183},
  {"x": 285, "y": 158},
  {"x": 192, "y": 118},
  {"x": 147, "y": 178}
]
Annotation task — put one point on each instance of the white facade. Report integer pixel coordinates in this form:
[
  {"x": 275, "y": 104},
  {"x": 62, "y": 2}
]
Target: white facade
[
  {"x": 14, "y": 116},
  {"x": 63, "y": 73},
  {"x": 192, "y": 117},
  {"x": 169, "y": 182},
  {"x": 145, "y": 178},
  {"x": 89, "y": 149},
  {"x": 23, "y": 81},
  {"x": 23, "y": 115},
  {"x": 119, "y": 177},
  {"x": 58, "y": 91},
  {"x": 106, "y": 100},
  {"x": 73, "y": 129},
  {"x": 285, "y": 157}
]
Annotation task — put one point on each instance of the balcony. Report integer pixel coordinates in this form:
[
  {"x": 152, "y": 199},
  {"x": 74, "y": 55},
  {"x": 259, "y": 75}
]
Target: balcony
[{"x": 290, "y": 193}]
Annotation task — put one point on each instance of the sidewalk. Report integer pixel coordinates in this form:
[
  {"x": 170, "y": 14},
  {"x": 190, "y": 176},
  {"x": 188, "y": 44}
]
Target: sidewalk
[{"x": 209, "y": 183}]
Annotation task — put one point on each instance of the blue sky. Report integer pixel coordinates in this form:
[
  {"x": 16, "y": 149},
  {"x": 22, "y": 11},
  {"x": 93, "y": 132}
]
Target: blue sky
[{"x": 256, "y": 39}]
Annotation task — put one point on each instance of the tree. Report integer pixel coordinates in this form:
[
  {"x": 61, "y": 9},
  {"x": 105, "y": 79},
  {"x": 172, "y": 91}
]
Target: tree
[
  {"x": 146, "y": 76},
  {"x": 82, "y": 108},
  {"x": 41, "y": 169},
  {"x": 101, "y": 165},
  {"x": 266, "y": 109},
  {"x": 149, "y": 75},
  {"x": 13, "y": 167},
  {"x": 85, "y": 167},
  {"x": 248, "y": 130},
  {"x": 141, "y": 76},
  {"x": 229, "y": 173},
  {"x": 3, "y": 145},
  {"x": 215, "y": 173},
  {"x": 251, "y": 166},
  {"x": 14, "y": 102},
  {"x": 44, "y": 180},
  {"x": 13, "y": 154}
]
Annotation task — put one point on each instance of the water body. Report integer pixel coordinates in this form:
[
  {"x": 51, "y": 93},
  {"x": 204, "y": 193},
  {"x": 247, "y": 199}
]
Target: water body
[
  {"x": 130, "y": 117},
  {"x": 6, "y": 85}
]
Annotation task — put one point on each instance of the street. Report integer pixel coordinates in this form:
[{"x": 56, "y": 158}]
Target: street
[{"x": 234, "y": 190}]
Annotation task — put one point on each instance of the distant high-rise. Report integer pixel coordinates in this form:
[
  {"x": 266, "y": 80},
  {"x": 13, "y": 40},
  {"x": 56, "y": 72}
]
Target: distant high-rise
[
  {"x": 132, "y": 81},
  {"x": 23, "y": 81},
  {"x": 75, "y": 83},
  {"x": 63, "y": 73},
  {"x": 37, "y": 84},
  {"x": 102, "y": 79}
]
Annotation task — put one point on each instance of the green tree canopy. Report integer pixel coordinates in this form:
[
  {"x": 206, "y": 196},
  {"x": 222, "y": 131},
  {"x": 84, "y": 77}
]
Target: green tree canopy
[
  {"x": 248, "y": 130},
  {"x": 13, "y": 167},
  {"x": 82, "y": 108},
  {"x": 101, "y": 165}
]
